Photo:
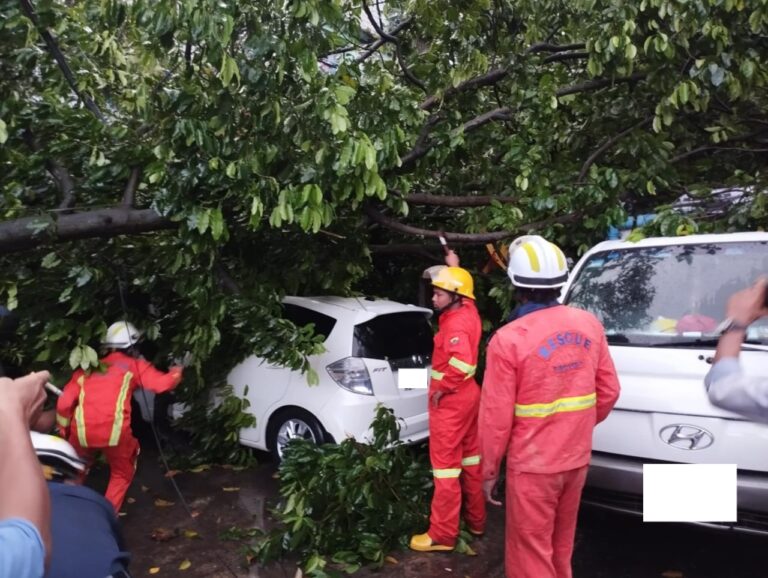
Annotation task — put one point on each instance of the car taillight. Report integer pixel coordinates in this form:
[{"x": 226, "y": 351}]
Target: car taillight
[{"x": 351, "y": 374}]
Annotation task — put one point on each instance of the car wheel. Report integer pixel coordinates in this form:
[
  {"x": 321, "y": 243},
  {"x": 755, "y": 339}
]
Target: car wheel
[{"x": 292, "y": 424}]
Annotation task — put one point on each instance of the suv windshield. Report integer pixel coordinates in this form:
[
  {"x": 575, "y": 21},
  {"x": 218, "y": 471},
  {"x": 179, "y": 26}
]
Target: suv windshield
[
  {"x": 395, "y": 337},
  {"x": 670, "y": 295}
]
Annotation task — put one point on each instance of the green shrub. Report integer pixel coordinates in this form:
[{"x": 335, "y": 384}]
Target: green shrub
[{"x": 347, "y": 505}]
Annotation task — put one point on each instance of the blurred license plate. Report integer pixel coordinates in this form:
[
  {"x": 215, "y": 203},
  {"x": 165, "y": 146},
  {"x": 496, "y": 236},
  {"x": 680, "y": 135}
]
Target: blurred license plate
[{"x": 417, "y": 378}]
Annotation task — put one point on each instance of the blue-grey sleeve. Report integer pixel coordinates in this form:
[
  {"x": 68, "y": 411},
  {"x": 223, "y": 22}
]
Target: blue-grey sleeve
[
  {"x": 728, "y": 387},
  {"x": 22, "y": 553}
]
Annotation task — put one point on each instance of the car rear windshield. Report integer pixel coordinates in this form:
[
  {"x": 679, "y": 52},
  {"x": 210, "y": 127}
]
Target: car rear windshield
[
  {"x": 671, "y": 295},
  {"x": 393, "y": 336}
]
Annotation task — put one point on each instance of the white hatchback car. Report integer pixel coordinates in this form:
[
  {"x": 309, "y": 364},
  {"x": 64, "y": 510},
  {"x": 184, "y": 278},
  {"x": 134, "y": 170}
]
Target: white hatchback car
[
  {"x": 660, "y": 300},
  {"x": 367, "y": 342}
]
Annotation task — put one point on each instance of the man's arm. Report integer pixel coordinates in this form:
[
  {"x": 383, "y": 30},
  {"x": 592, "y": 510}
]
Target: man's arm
[
  {"x": 744, "y": 308},
  {"x": 497, "y": 412},
  {"x": 726, "y": 384},
  {"x": 24, "y": 493},
  {"x": 155, "y": 380},
  {"x": 607, "y": 385},
  {"x": 65, "y": 405}
]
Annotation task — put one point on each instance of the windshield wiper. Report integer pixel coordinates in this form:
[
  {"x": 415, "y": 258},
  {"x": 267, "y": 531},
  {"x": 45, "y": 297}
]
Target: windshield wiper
[
  {"x": 708, "y": 342},
  {"x": 617, "y": 338},
  {"x": 622, "y": 339}
]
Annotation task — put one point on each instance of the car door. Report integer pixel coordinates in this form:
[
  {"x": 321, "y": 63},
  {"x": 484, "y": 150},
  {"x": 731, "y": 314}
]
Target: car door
[{"x": 265, "y": 384}]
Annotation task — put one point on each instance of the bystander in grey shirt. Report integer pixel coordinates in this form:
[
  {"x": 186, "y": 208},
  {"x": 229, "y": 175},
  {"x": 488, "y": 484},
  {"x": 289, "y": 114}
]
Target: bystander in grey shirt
[{"x": 730, "y": 389}]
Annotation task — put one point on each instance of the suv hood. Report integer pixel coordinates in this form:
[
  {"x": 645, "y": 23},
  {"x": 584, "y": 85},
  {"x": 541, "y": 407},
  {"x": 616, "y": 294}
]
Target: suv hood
[{"x": 671, "y": 380}]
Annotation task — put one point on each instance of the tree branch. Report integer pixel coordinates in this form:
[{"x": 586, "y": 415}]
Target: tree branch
[
  {"x": 225, "y": 280},
  {"x": 31, "y": 232},
  {"x": 61, "y": 176},
  {"x": 702, "y": 149},
  {"x": 503, "y": 113},
  {"x": 608, "y": 144},
  {"x": 561, "y": 56},
  {"x": 381, "y": 42},
  {"x": 547, "y": 47},
  {"x": 64, "y": 182},
  {"x": 487, "y": 79},
  {"x": 131, "y": 186},
  {"x": 405, "y": 249},
  {"x": 469, "y": 238},
  {"x": 455, "y": 200},
  {"x": 396, "y": 42},
  {"x": 597, "y": 84},
  {"x": 424, "y": 145},
  {"x": 497, "y": 74},
  {"x": 58, "y": 56}
]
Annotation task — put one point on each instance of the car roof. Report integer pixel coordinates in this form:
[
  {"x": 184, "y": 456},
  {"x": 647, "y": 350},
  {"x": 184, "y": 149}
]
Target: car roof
[
  {"x": 358, "y": 309},
  {"x": 758, "y": 236}
]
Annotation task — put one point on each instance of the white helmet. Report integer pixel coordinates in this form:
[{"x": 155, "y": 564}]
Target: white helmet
[
  {"x": 121, "y": 335},
  {"x": 535, "y": 263},
  {"x": 58, "y": 456}
]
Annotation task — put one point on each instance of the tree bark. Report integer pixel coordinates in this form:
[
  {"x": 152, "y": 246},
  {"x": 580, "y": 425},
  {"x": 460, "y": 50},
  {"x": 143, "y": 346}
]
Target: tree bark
[
  {"x": 469, "y": 238},
  {"x": 31, "y": 232},
  {"x": 455, "y": 200}
]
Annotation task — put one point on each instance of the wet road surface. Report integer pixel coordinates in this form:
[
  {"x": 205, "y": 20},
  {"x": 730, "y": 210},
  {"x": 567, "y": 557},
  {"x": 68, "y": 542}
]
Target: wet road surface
[{"x": 607, "y": 546}]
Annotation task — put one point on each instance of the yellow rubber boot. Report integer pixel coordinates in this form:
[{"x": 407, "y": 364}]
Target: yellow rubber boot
[{"x": 423, "y": 543}]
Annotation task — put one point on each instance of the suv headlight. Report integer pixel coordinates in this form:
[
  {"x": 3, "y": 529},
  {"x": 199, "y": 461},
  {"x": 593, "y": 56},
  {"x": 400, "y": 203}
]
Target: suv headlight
[{"x": 351, "y": 374}]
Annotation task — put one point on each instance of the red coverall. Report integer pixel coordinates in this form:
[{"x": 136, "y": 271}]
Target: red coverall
[
  {"x": 94, "y": 414},
  {"x": 453, "y": 444},
  {"x": 549, "y": 380}
]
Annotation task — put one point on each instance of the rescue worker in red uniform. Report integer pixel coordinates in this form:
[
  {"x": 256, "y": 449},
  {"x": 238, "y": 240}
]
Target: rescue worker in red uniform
[
  {"x": 454, "y": 398},
  {"x": 94, "y": 411},
  {"x": 549, "y": 379}
]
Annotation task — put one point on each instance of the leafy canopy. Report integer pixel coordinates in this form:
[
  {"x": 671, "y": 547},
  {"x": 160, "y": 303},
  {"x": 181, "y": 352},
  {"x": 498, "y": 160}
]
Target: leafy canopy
[{"x": 189, "y": 162}]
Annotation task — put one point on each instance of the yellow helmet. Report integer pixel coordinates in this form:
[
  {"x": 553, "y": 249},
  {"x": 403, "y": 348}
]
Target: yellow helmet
[{"x": 454, "y": 280}]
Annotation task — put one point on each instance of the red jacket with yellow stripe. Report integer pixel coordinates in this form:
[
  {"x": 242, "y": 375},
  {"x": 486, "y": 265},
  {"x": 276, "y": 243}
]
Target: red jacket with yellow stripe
[
  {"x": 549, "y": 379},
  {"x": 98, "y": 405},
  {"x": 454, "y": 357}
]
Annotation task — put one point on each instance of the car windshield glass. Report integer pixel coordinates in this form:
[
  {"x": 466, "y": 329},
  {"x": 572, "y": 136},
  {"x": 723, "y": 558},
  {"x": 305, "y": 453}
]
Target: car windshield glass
[
  {"x": 394, "y": 336},
  {"x": 671, "y": 295},
  {"x": 301, "y": 317}
]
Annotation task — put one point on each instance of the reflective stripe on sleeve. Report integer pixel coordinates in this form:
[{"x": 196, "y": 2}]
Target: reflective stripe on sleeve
[
  {"x": 62, "y": 421},
  {"x": 466, "y": 368},
  {"x": 447, "y": 473},
  {"x": 80, "y": 414},
  {"x": 471, "y": 461},
  {"x": 562, "y": 405},
  {"x": 437, "y": 374},
  {"x": 117, "y": 425}
]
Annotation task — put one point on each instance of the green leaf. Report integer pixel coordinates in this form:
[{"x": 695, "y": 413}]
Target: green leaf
[
  {"x": 203, "y": 220},
  {"x": 90, "y": 355},
  {"x": 76, "y": 357},
  {"x": 216, "y": 223},
  {"x": 11, "y": 296},
  {"x": 228, "y": 70},
  {"x": 343, "y": 93},
  {"x": 3, "y": 131},
  {"x": 50, "y": 261}
]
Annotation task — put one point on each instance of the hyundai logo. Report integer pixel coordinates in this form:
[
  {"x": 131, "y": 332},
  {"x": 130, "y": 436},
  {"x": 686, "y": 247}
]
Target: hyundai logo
[{"x": 686, "y": 437}]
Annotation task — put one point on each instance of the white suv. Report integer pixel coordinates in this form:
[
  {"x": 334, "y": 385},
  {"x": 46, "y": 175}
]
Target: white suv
[
  {"x": 660, "y": 300},
  {"x": 367, "y": 341}
]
